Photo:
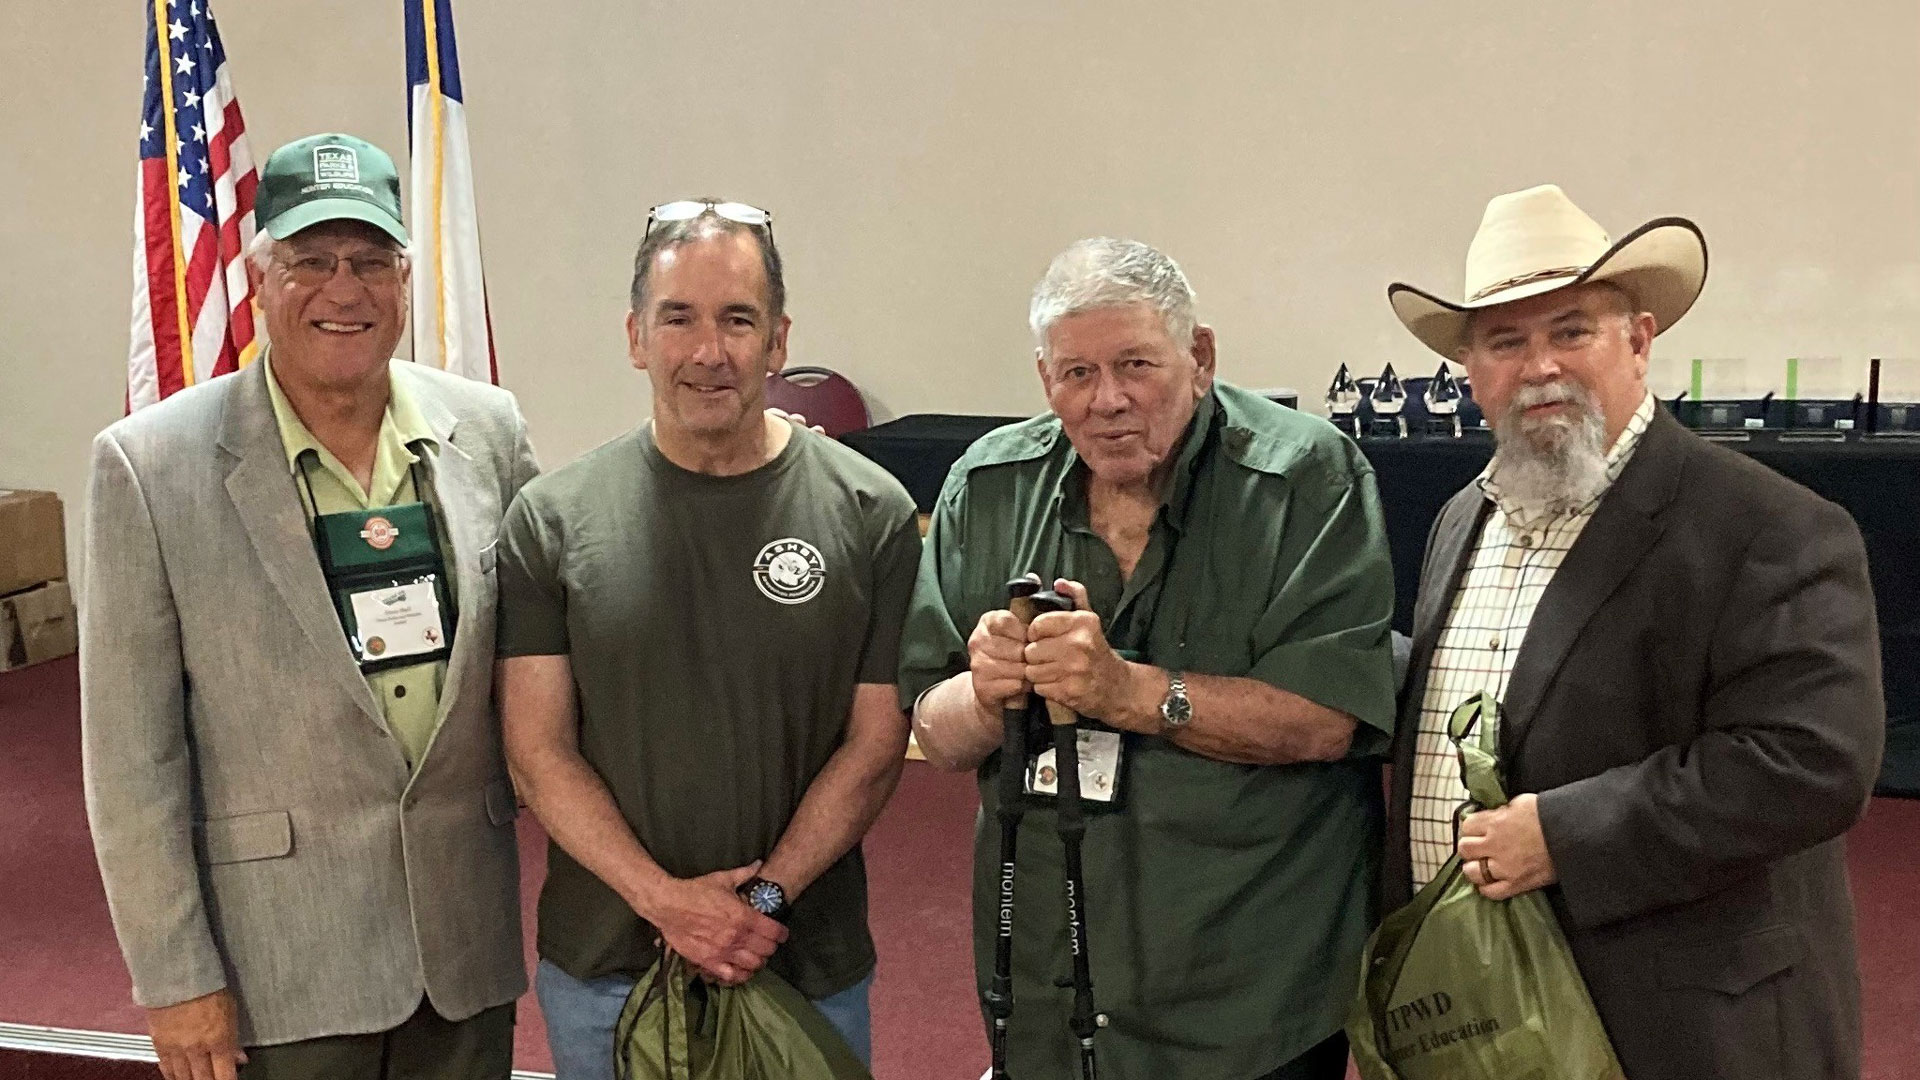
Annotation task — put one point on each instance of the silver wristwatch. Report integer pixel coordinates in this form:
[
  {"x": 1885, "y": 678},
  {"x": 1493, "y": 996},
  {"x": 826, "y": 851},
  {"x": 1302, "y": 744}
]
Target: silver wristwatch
[{"x": 1176, "y": 711}]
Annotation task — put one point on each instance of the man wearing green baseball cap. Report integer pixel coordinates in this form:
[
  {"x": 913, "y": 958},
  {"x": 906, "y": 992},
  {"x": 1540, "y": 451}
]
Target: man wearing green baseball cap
[
  {"x": 296, "y": 789},
  {"x": 329, "y": 178}
]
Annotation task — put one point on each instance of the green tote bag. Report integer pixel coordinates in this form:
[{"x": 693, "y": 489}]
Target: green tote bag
[
  {"x": 676, "y": 1026},
  {"x": 1458, "y": 987}
]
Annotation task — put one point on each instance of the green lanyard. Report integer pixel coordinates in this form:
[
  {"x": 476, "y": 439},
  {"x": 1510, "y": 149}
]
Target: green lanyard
[{"x": 386, "y": 577}]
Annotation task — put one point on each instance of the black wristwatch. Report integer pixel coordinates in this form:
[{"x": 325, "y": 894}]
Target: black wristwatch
[{"x": 766, "y": 897}]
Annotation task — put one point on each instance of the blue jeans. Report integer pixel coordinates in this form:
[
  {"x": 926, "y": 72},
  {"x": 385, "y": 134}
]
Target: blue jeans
[{"x": 581, "y": 1015}]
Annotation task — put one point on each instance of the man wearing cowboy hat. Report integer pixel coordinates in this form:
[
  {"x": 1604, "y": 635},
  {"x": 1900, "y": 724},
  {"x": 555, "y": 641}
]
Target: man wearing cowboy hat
[{"x": 1685, "y": 647}]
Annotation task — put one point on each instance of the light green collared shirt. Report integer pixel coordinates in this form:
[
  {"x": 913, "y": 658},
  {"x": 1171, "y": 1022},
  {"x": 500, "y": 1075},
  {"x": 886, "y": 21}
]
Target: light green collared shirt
[
  {"x": 410, "y": 696},
  {"x": 1226, "y": 904}
]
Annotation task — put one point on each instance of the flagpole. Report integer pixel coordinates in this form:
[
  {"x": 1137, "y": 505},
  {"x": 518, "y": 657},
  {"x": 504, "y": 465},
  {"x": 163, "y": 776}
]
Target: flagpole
[
  {"x": 430, "y": 20},
  {"x": 171, "y": 131}
]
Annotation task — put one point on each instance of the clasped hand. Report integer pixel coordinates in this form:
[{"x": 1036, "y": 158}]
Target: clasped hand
[
  {"x": 712, "y": 928},
  {"x": 1063, "y": 656}
]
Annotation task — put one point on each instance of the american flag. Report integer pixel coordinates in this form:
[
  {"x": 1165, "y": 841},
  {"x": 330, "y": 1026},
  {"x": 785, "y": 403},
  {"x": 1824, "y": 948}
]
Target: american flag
[
  {"x": 193, "y": 216},
  {"x": 450, "y": 323}
]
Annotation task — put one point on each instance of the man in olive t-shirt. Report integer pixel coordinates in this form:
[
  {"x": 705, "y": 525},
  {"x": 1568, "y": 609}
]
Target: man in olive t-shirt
[{"x": 699, "y": 632}]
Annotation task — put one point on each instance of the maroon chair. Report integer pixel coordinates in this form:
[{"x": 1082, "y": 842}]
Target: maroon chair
[{"x": 822, "y": 395}]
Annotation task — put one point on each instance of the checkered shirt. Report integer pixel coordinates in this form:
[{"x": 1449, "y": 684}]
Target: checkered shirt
[{"x": 1514, "y": 559}]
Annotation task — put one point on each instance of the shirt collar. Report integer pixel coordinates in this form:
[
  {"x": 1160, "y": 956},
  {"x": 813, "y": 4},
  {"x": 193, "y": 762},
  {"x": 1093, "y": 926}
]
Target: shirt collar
[
  {"x": 403, "y": 414},
  {"x": 1617, "y": 457},
  {"x": 1071, "y": 495}
]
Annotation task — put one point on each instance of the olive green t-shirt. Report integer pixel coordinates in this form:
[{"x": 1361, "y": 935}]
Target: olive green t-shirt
[
  {"x": 717, "y": 627},
  {"x": 1226, "y": 905}
]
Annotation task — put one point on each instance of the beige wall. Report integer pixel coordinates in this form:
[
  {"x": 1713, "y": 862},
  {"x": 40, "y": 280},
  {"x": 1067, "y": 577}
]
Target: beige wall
[{"x": 925, "y": 160}]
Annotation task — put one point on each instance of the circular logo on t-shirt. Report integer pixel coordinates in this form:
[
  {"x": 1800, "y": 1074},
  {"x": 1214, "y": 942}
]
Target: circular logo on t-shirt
[
  {"x": 789, "y": 571},
  {"x": 379, "y": 533}
]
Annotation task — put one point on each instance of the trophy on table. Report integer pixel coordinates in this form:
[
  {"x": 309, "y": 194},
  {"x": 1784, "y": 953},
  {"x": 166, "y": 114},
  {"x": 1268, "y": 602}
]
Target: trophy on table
[
  {"x": 1443, "y": 404},
  {"x": 1897, "y": 419},
  {"x": 1389, "y": 399},
  {"x": 1343, "y": 402}
]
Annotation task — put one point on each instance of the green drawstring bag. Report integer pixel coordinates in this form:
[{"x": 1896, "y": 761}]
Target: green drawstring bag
[
  {"x": 1454, "y": 986},
  {"x": 677, "y": 1026}
]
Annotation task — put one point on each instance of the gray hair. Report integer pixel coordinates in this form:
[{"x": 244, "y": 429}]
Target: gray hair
[
  {"x": 260, "y": 249},
  {"x": 705, "y": 226},
  {"x": 1102, "y": 272}
]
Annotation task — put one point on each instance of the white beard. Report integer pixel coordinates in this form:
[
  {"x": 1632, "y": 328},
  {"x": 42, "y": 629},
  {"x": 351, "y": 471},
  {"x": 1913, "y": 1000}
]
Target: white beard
[{"x": 1557, "y": 464}]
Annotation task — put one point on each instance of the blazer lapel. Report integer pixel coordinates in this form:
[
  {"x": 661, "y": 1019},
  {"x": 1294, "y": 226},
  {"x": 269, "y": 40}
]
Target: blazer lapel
[
  {"x": 453, "y": 480},
  {"x": 264, "y": 496},
  {"x": 1623, "y": 529},
  {"x": 456, "y": 488},
  {"x": 1451, "y": 549}
]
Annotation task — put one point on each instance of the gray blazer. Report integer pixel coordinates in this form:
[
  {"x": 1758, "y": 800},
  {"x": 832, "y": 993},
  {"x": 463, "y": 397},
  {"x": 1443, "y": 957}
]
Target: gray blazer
[
  {"x": 256, "y": 824},
  {"x": 1698, "y": 705}
]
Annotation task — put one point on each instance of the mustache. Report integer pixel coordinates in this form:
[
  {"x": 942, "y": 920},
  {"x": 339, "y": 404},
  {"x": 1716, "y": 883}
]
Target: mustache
[{"x": 1552, "y": 393}]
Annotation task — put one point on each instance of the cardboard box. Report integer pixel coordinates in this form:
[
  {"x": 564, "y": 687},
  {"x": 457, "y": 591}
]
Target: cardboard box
[
  {"x": 33, "y": 540},
  {"x": 37, "y": 624}
]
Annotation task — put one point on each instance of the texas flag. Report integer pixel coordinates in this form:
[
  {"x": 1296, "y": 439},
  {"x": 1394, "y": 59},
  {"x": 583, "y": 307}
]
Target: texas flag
[{"x": 450, "y": 324}]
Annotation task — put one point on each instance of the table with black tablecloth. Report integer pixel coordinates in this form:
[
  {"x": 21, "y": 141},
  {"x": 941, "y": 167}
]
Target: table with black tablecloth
[{"x": 1878, "y": 482}]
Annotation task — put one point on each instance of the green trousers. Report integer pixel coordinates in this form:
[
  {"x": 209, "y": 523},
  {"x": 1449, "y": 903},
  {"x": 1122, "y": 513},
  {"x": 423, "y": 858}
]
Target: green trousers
[{"x": 425, "y": 1047}]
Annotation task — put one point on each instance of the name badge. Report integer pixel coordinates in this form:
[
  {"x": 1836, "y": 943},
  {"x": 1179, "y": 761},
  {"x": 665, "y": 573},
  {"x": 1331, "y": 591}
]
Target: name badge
[
  {"x": 388, "y": 584},
  {"x": 1100, "y": 756},
  {"x": 397, "y": 621}
]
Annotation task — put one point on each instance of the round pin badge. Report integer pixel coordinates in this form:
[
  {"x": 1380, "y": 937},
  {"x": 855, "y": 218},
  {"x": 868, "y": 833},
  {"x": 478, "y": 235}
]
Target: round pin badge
[
  {"x": 379, "y": 533},
  {"x": 789, "y": 571},
  {"x": 376, "y": 646}
]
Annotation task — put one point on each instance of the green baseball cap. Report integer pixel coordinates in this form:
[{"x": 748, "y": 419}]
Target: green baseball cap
[{"x": 327, "y": 178}]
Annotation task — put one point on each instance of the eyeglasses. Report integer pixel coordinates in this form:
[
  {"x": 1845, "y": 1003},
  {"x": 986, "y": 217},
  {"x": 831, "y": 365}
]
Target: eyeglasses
[
  {"x": 372, "y": 268},
  {"x": 688, "y": 209}
]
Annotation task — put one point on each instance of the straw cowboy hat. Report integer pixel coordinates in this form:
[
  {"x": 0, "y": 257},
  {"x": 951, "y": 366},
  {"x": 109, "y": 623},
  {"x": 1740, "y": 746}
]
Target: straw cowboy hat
[{"x": 1536, "y": 241}]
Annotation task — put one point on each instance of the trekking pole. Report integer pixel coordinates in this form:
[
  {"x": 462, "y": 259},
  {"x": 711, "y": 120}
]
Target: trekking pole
[
  {"x": 1013, "y": 759},
  {"x": 1073, "y": 828}
]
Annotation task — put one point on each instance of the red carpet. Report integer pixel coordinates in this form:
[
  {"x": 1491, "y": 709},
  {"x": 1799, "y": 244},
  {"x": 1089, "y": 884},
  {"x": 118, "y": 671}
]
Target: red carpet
[{"x": 61, "y": 968}]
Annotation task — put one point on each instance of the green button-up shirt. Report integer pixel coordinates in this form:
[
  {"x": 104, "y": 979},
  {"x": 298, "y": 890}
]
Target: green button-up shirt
[
  {"x": 410, "y": 695},
  {"x": 1227, "y": 904}
]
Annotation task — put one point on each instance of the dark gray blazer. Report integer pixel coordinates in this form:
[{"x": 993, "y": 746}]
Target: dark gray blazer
[
  {"x": 1698, "y": 704},
  {"x": 256, "y": 823}
]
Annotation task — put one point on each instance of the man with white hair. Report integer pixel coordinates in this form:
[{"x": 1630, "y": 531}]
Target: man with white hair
[
  {"x": 1230, "y": 659},
  {"x": 1685, "y": 648},
  {"x": 294, "y": 779}
]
